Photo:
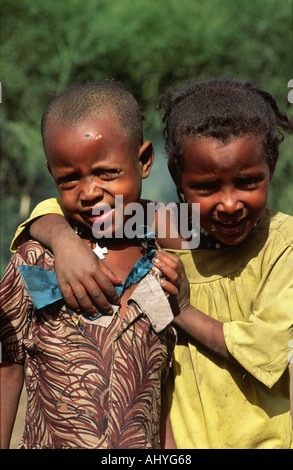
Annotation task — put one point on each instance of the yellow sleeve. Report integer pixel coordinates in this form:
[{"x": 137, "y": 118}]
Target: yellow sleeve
[
  {"x": 264, "y": 344},
  {"x": 49, "y": 206}
]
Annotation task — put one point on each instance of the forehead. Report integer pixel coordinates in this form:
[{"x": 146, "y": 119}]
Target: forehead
[
  {"x": 207, "y": 154},
  {"x": 108, "y": 122},
  {"x": 106, "y": 127},
  {"x": 98, "y": 137}
]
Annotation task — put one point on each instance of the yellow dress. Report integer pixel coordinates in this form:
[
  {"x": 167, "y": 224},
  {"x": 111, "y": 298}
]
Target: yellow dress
[
  {"x": 219, "y": 405},
  {"x": 216, "y": 404}
]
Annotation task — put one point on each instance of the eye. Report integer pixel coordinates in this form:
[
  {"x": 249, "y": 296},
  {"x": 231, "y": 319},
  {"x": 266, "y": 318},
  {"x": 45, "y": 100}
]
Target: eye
[
  {"x": 68, "y": 181},
  {"x": 204, "y": 188},
  {"x": 109, "y": 174},
  {"x": 249, "y": 183}
]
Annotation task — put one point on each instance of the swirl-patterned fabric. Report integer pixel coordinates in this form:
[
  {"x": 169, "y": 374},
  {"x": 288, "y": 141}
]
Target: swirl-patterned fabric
[{"x": 88, "y": 386}]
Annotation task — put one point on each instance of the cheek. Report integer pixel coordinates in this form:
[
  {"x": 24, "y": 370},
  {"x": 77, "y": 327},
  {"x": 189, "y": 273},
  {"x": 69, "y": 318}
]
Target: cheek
[
  {"x": 206, "y": 209},
  {"x": 258, "y": 199},
  {"x": 130, "y": 189},
  {"x": 192, "y": 198},
  {"x": 68, "y": 199}
]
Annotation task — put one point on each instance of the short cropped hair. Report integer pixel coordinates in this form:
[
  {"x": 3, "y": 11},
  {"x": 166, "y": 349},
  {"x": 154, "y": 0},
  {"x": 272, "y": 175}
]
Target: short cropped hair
[
  {"x": 221, "y": 108},
  {"x": 93, "y": 99}
]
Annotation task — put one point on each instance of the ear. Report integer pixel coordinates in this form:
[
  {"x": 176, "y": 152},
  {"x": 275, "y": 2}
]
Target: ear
[{"x": 146, "y": 158}]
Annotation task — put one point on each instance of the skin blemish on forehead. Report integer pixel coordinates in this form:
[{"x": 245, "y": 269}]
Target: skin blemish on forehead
[{"x": 90, "y": 136}]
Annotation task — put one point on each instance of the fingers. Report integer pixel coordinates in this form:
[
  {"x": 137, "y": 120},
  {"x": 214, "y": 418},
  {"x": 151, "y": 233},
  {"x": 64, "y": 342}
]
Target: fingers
[
  {"x": 109, "y": 274},
  {"x": 170, "y": 259},
  {"x": 170, "y": 265},
  {"x": 175, "y": 282},
  {"x": 90, "y": 291},
  {"x": 169, "y": 287},
  {"x": 69, "y": 297},
  {"x": 85, "y": 281},
  {"x": 89, "y": 299}
]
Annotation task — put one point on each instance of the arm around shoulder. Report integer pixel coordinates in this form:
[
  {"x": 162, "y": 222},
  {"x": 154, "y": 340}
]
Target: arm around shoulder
[{"x": 23, "y": 234}]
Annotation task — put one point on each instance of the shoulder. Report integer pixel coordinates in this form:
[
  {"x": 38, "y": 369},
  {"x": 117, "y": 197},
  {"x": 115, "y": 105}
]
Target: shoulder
[
  {"x": 280, "y": 225},
  {"x": 34, "y": 254},
  {"x": 12, "y": 286},
  {"x": 164, "y": 219},
  {"x": 268, "y": 241}
]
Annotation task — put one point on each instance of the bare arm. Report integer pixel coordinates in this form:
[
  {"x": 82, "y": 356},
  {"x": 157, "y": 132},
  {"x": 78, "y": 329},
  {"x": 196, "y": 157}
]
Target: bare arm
[
  {"x": 202, "y": 328},
  {"x": 85, "y": 281},
  {"x": 205, "y": 330},
  {"x": 167, "y": 437},
  {"x": 11, "y": 382}
]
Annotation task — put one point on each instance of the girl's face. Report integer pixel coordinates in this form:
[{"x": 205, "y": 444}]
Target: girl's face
[{"x": 229, "y": 181}]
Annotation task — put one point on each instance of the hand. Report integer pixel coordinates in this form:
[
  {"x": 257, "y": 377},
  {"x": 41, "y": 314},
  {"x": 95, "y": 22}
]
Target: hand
[
  {"x": 84, "y": 280},
  {"x": 175, "y": 282},
  {"x": 199, "y": 326}
]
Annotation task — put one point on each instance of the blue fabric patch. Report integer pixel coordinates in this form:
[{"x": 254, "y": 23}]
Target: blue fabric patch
[
  {"x": 43, "y": 288},
  {"x": 41, "y": 285}
]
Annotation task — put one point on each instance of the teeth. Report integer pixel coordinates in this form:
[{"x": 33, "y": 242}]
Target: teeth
[{"x": 232, "y": 222}]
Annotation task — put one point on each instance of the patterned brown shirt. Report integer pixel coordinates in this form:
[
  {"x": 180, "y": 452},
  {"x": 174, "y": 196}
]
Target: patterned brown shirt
[{"x": 89, "y": 384}]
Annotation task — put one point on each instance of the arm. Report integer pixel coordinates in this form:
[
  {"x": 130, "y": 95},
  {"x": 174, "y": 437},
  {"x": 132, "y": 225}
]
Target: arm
[
  {"x": 85, "y": 281},
  {"x": 11, "y": 382},
  {"x": 167, "y": 438},
  {"x": 202, "y": 328}
]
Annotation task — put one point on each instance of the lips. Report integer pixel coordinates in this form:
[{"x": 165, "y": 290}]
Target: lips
[
  {"x": 99, "y": 214},
  {"x": 230, "y": 223},
  {"x": 230, "y": 226}
]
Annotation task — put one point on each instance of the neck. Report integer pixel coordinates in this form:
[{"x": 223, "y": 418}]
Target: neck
[
  {"x": 115, "y": 244},
  {"x": 207, "y": 241}
]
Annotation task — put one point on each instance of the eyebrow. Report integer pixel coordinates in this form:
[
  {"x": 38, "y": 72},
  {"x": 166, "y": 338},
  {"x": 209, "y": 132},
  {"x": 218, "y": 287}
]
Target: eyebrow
[
  {"x": 69, "y": 175},
  {"x": 252, "y": 173}
]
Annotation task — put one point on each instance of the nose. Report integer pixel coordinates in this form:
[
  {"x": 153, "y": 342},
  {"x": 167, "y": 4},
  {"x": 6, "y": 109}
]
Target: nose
[
  {"x": 91, "y": 190},
  {"x": 229, "y": 202}
]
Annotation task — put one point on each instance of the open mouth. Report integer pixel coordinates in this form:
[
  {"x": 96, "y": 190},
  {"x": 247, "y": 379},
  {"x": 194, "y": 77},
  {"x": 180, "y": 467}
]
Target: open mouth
[{"x": 230, "y": 226}]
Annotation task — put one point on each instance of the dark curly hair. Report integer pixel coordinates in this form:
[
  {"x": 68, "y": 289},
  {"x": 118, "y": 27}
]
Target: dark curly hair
[
  {"x": 79, "y": 102},
  {"x": 221, "y": 108}
]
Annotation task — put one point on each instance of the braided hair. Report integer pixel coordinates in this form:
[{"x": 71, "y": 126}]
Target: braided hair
[{"x": 221, "y": 108}]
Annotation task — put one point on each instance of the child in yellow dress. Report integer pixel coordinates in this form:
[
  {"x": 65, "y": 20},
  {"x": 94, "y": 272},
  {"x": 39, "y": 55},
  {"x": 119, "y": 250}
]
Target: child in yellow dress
[{"x": 230, "y": 384}]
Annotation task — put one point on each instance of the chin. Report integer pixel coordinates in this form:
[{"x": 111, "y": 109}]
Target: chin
[{"x": 235, "y": 241}]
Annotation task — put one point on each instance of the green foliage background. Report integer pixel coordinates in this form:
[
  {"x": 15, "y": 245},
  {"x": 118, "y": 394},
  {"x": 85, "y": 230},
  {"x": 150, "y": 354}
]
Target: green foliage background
[{"x": 149, "y": 45}]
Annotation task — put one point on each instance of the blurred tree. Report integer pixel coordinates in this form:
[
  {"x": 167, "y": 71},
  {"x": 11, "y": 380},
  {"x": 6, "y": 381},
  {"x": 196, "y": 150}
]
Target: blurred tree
[{"x": 149, "y": 46}]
